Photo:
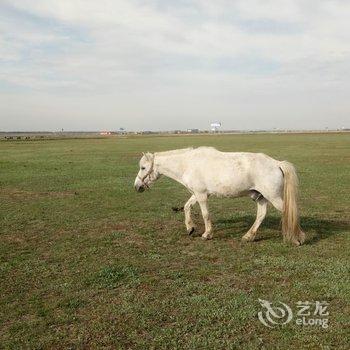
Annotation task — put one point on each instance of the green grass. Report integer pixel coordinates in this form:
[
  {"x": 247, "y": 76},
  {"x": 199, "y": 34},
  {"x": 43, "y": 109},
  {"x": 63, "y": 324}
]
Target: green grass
[{"x": 86, "y": 262}]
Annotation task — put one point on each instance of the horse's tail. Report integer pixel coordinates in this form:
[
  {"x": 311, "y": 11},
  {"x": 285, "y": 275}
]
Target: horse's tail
[{"x": 290, "y": 217}]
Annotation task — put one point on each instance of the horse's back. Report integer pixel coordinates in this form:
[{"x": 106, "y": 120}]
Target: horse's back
[
  {"x": 232, "y": 173},
  {"x": 249, "y": 159}
]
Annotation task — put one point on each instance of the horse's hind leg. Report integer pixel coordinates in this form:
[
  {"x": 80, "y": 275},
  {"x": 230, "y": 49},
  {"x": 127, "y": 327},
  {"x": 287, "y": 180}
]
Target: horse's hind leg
[
  {"x": 260, "y": 216},
  {"x": 187, "y": 209},
  {"x": 277, "y": 202}
]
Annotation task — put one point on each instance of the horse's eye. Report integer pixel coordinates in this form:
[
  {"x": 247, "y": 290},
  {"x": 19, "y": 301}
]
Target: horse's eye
[{"x": 143, "y": 168}]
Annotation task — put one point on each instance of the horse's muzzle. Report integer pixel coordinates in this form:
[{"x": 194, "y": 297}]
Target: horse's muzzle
[{"x": 139, "y": 188}]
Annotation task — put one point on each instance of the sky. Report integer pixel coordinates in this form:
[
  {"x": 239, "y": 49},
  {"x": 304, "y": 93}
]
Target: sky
[{"x": 166, "y": 65}]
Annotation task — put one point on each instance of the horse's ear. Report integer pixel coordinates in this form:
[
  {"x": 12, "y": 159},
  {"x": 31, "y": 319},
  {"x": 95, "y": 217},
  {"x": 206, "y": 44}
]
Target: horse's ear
[
  {"x": 149, "y": 156},
  {"x": 143, "y": 154}
]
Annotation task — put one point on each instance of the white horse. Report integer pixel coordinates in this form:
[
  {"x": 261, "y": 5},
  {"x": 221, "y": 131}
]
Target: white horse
[{"x": 205, "y": 171}]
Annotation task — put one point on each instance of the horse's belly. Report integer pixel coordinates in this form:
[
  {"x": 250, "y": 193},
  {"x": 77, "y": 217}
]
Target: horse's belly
[
  {"x": 228, "y": 193},
  {"x": 229, "y": 188}
]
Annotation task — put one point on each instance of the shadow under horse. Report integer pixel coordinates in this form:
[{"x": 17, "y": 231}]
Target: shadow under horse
[{"x": 320, "y": 228}]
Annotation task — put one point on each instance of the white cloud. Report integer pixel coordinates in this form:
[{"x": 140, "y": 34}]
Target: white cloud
[{"x": 203, "y": 53}]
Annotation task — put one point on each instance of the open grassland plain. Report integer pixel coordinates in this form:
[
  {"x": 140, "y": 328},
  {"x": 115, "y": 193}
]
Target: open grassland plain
[{"x": 86, "y": 262}]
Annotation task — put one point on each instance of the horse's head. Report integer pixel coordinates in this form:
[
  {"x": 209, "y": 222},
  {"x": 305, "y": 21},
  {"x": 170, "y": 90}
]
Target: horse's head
[{"x": 147, "y": 173}]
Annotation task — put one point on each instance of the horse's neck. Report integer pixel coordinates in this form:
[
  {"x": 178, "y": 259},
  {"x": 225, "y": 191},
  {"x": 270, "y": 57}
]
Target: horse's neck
[{"x": 170, "y": 165}]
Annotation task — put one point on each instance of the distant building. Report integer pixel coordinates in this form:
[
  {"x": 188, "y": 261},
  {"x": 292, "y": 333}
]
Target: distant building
[
  {"x": 121, "y": 131},
  {"x": 215, "y": 126},
  {"x": 105, "y": 133},
  {"x": 193, "y": 131}
]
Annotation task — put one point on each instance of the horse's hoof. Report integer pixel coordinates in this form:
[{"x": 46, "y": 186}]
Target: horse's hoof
[
  {"x": 297, "y": 242},
  {"x": 190, "y": 231},
  {"x": 206, "y": 236},
  {"x": 301, "y": 237},
  {"x": 300, "y": 240},
  {"x": 247, "y": 239}
]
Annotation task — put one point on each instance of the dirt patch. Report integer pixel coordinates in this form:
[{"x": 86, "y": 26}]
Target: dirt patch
[{"x": 15, "y": 193}]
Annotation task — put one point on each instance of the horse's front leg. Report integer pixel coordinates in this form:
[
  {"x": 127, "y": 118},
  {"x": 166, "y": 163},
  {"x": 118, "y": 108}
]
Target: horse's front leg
[
  {"x": 203, "y": 203},
  {"x": 190, "y": 226}
]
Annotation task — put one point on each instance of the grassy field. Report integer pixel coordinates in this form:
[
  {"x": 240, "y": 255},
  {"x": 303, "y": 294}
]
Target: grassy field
[{"x": 86, "y": 262}]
